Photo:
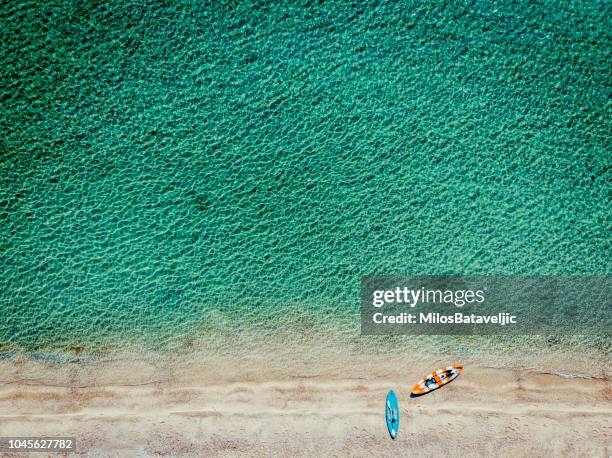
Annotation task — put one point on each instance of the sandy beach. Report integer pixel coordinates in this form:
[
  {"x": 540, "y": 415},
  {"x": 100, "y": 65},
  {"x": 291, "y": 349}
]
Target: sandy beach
[
  {"x": 251, "y": 407},
  {"x": 229, "y": 228}
]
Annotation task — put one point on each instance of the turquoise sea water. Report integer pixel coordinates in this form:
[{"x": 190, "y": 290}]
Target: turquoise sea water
[{"x": 180, "y": 167}]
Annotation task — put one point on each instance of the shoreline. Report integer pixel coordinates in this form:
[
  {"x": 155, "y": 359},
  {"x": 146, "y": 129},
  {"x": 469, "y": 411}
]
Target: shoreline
[{"x": 234, "y": 356}]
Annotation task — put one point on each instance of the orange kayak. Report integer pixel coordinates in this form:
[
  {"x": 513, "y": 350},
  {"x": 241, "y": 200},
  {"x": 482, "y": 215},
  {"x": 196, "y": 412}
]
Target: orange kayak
[{"x": 436, "y": 380}]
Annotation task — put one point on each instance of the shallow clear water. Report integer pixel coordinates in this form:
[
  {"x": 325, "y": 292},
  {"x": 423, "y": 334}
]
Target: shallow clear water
[{"x": 170, "y": 168}]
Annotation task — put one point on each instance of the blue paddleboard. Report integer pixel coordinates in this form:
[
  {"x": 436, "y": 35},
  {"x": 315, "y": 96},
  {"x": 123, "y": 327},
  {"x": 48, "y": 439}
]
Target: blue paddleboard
[{"x": 392, "y": 414}]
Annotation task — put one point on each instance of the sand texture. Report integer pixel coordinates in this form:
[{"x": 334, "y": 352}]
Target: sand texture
[{"x": 485, "y": 412}]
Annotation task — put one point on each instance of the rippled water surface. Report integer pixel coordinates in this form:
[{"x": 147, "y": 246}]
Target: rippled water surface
[{"x": 179, "y": 167}]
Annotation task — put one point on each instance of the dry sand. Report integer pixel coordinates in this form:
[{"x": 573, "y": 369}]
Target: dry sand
[{"x": 257, "y": 407}]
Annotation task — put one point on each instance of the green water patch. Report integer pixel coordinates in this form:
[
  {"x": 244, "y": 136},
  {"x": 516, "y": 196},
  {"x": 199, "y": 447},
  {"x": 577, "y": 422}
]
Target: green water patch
[{"x": 163, "y": 162}]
